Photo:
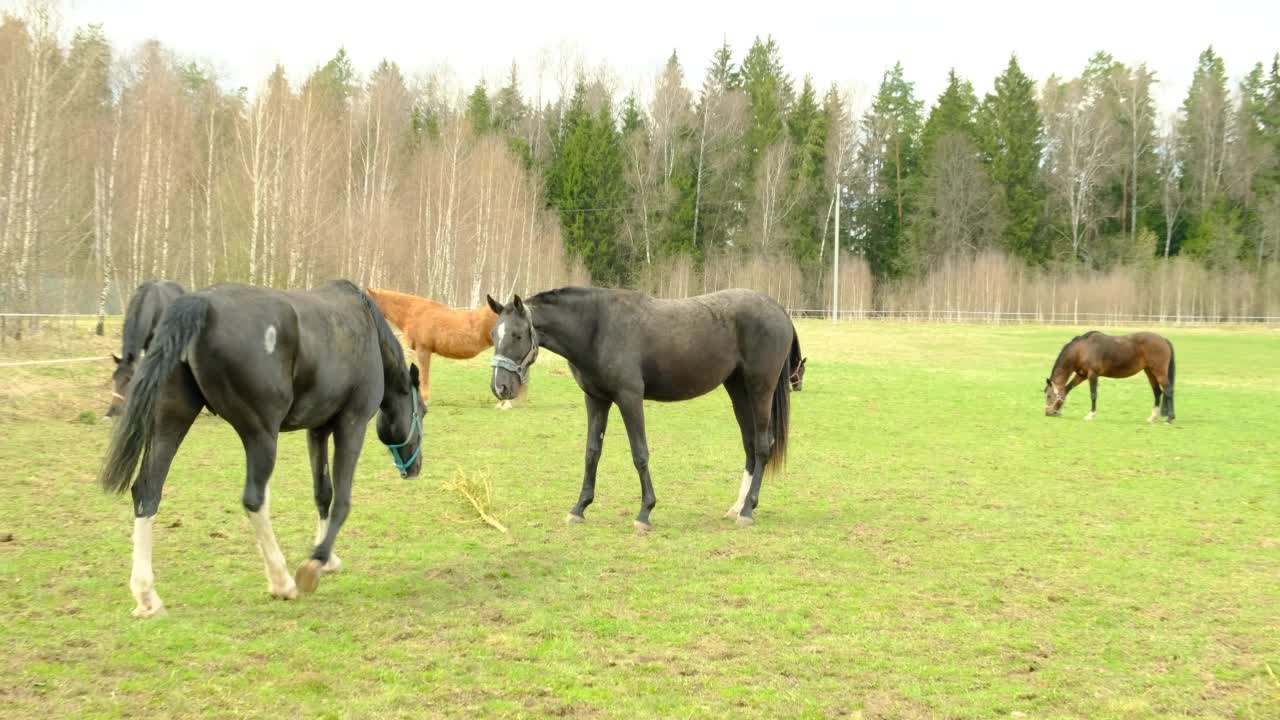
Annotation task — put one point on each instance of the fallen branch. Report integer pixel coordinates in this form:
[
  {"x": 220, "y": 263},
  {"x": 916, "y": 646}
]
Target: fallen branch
[{"x": 479, "y": 492}]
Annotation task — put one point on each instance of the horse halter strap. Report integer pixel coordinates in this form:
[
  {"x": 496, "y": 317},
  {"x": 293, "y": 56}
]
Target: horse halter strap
[
  {"x": 521, "y": 369},
  {"x": 403, "y": 465}
]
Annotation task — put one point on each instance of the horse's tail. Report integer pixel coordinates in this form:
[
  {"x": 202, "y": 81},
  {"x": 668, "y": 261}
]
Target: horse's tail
[
  {"x": 780, "y": 414},
  {"x": 181, "y": 323},
  {"x": 1169, "y": 393}
]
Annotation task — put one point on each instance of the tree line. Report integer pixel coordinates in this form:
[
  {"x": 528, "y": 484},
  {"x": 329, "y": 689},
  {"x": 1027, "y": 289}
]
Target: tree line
[{"x": 116, "y": 167}]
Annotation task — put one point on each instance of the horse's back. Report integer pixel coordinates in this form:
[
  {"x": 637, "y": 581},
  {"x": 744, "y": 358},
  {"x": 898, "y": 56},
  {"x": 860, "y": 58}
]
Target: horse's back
[
  {"x": 693, "y": 345},
  {"x": 297, "y": 354}
]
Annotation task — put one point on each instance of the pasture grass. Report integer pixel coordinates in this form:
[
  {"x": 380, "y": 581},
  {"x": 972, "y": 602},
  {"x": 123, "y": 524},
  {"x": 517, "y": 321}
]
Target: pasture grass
[{"x": 937, "y": 548}]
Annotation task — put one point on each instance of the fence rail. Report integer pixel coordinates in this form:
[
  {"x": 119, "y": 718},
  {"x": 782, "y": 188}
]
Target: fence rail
[
  {"x": 1039, "y": 318},
  {"x": 954, "y": 316}
]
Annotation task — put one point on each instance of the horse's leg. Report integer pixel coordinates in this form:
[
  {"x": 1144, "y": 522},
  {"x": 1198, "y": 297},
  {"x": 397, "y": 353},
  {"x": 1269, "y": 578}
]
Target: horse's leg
[
  {"x": 597, "y": 421},
  {"x": 424, "y": 374},
  {"x": 1093, "y": 396},
  {"x": 173, "y": 421},
  {"x": 742, "y": 411},
  {"x": 260, "y": 459},
  {"x": 318, "y": 449},
  {"x": 348, "y": 440},
  {"x": 1155, "y": 390},
  {"x": 761, "y": 396},
  {"x": 631, "y": 406}
]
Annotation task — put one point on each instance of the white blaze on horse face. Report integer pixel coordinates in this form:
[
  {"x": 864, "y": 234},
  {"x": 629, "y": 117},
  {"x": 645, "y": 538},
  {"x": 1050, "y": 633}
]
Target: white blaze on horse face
[
  {"x": 281, "y": 582},
  {"x": 142, "y": 581},
  {"x": 502, "y": 331},
  {"x": 269, "y": 340}
]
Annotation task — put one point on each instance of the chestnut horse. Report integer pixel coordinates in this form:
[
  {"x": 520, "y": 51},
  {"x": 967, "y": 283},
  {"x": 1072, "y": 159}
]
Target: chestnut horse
[
  {"x": 431, "y": 327},
  {"x": 1094, "y": 355}
]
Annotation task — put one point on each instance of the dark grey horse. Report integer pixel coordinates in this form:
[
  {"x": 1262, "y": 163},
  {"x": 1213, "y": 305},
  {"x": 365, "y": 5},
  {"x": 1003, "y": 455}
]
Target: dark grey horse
[
  {"x": 624, "y": 347},
  {"x": 267, "y": 361},
  {"x": 140, "y": 320}
]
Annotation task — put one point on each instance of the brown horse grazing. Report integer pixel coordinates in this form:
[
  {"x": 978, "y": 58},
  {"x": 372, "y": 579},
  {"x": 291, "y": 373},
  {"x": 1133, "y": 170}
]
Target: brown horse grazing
[
  {"x": 431, "y": 327},
  {"x": 1094, "y": 355}
]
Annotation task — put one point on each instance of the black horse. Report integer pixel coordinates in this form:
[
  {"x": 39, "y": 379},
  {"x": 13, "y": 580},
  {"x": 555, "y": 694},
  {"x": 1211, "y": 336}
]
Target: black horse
[
  {"x": 140, "y": 320},
  {"x": 624, "y": 347},
  {"x": 266, "y": 361}
]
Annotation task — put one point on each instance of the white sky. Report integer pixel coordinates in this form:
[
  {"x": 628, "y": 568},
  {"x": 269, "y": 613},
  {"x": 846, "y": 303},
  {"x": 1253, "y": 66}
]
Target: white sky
[{"x": 842, "y": 41}]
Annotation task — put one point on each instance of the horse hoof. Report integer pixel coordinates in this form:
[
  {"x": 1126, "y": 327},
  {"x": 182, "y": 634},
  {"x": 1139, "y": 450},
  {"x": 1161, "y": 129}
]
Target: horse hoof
[
  {"x": 331, "y": 567},
  {"x": 732, "y": 512},
  {"x": 744, "y": 521},
  {"x": 641, "y": 527},
  {"x": 307, "y": 578},
  {"x": 1090, "y": 416},
  {"x": 572, "y": 519},
  {"x": 153, "y": 608}
]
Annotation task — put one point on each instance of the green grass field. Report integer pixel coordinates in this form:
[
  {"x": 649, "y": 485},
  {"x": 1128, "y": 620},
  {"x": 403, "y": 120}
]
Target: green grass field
[{"x": 937, "y": 548}]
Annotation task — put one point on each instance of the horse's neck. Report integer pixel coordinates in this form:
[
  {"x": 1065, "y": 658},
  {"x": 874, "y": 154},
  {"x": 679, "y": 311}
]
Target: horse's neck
[
  {"x": 561, "y": 329},
  {"x": 397, "y": 307}
]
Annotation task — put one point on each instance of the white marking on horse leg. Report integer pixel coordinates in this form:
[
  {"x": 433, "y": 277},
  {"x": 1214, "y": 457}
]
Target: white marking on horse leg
[
  {"x": 278, "y": 577},
  {"x": 142, "y": 582},
  {"x": 334, "y": 563},
  {"x": 1091, "y": 415},
  {"x": 269, "y": 340},
  {"x": 743, "y": 490},
  {"x": 1155, "y": 413}
]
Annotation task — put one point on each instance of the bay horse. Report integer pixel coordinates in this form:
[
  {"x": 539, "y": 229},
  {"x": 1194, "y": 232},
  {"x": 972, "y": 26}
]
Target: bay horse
[
  {"x": 1094, "y": 355},
  {"x": 432, "y": 327},
  {"x": 140, "y": 320},
  {"x": 625, "y": 347},
  {"x": 266, "y": 361}
]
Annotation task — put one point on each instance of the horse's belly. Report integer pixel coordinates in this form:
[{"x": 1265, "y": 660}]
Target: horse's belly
[{"x": 671, "y": 380}]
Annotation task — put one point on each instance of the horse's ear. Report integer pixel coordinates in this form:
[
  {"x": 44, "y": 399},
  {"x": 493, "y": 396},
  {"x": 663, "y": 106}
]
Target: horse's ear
[
  {"x": 494, "y": 305},
  {"x": 803, "y": 360},
  {"x": 113, "y": 357},
  {"x": 517, "y": 303},
  {"x": 413, "y": 374}
]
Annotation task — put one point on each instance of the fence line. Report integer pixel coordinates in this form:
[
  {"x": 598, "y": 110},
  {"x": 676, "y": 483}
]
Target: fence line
[
  {"x": 52, "y": 362},
  {"x": 972, "y": 316},
  {"x": 1043, "y": 318}
]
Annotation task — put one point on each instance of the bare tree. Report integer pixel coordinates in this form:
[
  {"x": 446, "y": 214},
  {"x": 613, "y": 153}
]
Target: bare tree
[{"x": 1079, "y": 151}]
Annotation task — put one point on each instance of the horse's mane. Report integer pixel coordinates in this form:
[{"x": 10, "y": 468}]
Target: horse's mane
[
  {"x": 390, "y": 346},
  {"x": 551, "y": 297},
  {"x": 134, "y": 333},
  {"x": 1063, "y": 352}
]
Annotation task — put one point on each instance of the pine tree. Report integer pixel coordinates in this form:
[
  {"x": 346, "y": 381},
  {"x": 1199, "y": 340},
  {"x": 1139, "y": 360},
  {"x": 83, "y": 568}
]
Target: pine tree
[
  {"x": 955, "y": 111},
  {"x": 1205, "y": 130},
  {"x": 808, "y": 127},
  {"x": 770, "y": 92},
  {"x": 585, "y": 183},
  {"x": 479, "y": 111},
  {"x": 508, "y": 107},
  {"x": 632, "y": 118},
  {"x": 891, "y": 159},
  {"x": 1011, "y": 140}
]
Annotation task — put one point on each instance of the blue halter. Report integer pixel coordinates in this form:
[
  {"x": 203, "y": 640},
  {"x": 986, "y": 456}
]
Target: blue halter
[
  {"x": 403, "y": 465},
  {"x": 521, "y": 368}
]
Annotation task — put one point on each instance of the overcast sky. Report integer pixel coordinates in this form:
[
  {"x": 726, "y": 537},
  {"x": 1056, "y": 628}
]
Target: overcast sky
[{"x": 844, "y": 42}]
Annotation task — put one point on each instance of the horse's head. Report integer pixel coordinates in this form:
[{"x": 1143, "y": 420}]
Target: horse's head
[
  {"x": 515, "y": 347},
  {"x": 1054, "y": 396},
  {"x": 797, "y": 376},
  {"x": 120, "y": 383},
  {"x": 400, "y": 425}
]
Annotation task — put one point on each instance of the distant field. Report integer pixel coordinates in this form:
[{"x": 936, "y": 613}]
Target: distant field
[{"x": 938, "y": 548}]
